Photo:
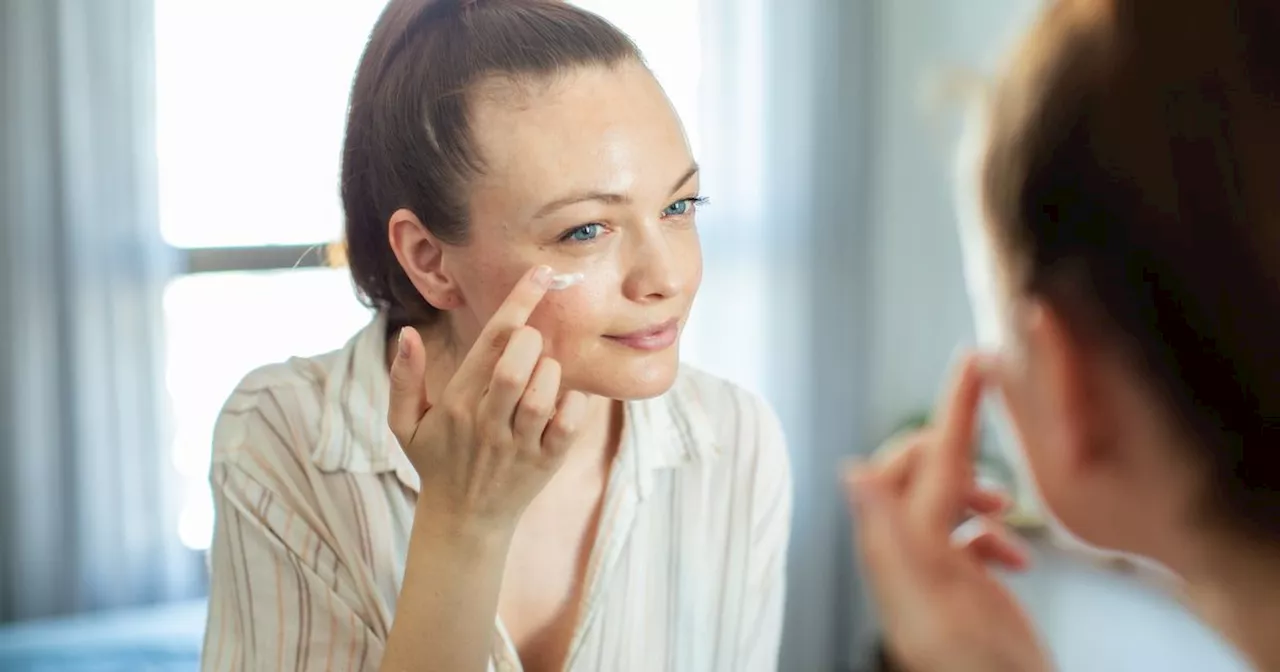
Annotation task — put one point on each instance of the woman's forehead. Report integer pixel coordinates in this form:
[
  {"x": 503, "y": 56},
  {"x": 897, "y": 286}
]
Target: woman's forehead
[{"x": 605, "y": 129}]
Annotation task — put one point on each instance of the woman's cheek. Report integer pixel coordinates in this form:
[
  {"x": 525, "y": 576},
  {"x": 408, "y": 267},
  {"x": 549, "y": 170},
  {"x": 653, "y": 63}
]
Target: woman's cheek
[
  {"x": 690, "y": 255},
  {"x": 486, "y": 282},
  {"x": 570, "y": 314},
  {"x": 697, "y": 268}
]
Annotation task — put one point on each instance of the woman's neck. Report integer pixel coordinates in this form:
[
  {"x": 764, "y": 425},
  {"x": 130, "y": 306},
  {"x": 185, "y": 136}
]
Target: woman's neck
[{"x": 1235, "y": 588}]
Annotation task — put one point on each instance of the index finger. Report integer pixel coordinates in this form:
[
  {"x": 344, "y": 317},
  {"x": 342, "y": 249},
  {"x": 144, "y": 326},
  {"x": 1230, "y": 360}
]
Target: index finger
[
  {"x": 511, "y": 315},
  {"x": 946, "y": 469}
]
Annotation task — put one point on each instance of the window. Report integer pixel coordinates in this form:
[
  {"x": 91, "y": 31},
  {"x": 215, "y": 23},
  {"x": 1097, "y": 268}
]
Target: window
[{"x": 251, "y": 100}]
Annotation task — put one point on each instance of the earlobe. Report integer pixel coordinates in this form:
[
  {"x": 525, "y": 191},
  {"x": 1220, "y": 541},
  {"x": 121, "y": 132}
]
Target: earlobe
[
  {"x": 421, "y": 256},
  {"x": 448, "y": 301}
]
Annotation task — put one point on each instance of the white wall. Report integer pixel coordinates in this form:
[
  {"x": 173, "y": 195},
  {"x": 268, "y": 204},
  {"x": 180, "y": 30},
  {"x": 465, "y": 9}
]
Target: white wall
[{"x": 919, "y": 310}]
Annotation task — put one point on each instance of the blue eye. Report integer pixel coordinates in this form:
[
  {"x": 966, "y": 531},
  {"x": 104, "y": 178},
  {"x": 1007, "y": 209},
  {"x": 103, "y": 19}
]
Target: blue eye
[
  {"x": 583, "y": 234},
  {"x": 682, "y": 207},
  {"x": 678, "y": 208}
]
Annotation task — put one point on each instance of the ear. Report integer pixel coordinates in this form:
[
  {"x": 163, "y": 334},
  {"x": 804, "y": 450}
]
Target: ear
[
  {"x": 1073, "y": 402},
  {"x": 421, "y": 255}
]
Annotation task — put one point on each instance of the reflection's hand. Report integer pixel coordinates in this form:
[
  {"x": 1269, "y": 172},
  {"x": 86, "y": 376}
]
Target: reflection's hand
[{"x": 940, "y": 607}]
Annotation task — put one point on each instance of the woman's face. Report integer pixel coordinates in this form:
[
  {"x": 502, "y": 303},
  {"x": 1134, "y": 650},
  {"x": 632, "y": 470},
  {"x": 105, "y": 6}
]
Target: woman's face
[{"x": 591, "y": 173}]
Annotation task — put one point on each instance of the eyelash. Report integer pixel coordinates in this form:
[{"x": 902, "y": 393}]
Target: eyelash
[{"x": 694, "y": 202}]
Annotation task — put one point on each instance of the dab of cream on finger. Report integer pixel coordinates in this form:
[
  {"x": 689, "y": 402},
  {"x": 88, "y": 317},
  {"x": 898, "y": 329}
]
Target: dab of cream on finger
[{"x": 561, "y": 281}]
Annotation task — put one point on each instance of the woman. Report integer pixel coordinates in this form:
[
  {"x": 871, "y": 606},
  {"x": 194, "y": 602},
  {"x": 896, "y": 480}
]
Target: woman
[
  {"x": 554, "y": 491},
  {"x": 1131, "y": 201}
]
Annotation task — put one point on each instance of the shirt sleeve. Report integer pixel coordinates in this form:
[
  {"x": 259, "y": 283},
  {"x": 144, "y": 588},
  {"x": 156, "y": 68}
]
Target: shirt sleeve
[
  {"x": 279, "y": 597},
  {"x": 771, "y": 531}
]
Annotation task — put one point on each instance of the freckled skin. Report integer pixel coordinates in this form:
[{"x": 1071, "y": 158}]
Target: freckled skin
[{"x": 591, "y": 130}]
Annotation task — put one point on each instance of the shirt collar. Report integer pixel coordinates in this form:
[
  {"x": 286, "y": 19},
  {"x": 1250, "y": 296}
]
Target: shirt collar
[
  {"x": 667, "y": 432},
  {"x": 663, "y": 432}
]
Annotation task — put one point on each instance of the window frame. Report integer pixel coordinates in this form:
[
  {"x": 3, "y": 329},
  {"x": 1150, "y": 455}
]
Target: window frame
[{"x": 199, "y": 260}]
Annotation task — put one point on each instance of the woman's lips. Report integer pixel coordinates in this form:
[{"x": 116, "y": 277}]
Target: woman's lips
[{"x": 650, "y": 339}]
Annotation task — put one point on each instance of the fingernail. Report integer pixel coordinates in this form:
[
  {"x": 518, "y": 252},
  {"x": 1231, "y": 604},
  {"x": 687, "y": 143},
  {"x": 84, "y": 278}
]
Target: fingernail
[
  {"x": 542, "y": 276},
  {"x": 402, "y": 346}
]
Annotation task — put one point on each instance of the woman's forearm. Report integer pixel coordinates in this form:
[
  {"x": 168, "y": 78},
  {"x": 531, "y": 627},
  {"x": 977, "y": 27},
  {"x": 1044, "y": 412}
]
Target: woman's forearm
[{"x": 449, "y": 599}]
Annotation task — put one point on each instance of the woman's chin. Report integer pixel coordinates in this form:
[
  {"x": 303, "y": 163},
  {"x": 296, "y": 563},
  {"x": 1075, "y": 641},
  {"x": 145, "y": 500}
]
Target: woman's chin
[{"x": 641, "y": 378}]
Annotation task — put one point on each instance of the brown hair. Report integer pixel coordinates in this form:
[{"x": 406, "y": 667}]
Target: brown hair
[
  {"x": 1133, "y": 176},
  {"x": 408, "y": 143}
]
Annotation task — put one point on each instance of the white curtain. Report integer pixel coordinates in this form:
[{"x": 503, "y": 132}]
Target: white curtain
[{"x": 87, "y": 514}]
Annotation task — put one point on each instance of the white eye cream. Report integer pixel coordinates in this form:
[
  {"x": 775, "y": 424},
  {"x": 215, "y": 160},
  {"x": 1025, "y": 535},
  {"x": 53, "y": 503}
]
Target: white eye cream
[{"x": 565, "y": 280}]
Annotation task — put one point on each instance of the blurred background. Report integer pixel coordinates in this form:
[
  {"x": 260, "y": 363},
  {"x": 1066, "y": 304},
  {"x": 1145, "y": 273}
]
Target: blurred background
[{"x": 168, "y": 174}]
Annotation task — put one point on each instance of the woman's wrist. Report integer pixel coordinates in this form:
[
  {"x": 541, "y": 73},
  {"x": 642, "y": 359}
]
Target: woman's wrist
[
  {"x": 449, "y": 595},
  {"x": 469, "y": 536}
]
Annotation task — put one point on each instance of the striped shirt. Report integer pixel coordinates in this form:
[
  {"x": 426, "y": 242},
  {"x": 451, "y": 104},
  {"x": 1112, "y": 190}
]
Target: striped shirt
[{"x": 315, "y": 501}]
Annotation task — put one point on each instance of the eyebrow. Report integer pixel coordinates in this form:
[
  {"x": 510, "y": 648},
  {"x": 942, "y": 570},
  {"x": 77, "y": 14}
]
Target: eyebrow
[{"x": 605, "y": 197}]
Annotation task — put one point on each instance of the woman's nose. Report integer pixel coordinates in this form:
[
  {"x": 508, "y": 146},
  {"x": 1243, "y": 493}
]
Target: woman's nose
[{"x": 658, "y": 264}]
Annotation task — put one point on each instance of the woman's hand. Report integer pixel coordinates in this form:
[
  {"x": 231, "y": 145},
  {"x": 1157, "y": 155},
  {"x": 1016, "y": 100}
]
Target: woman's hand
[
  {"x": 940, "y": 607},
  {"x": 501, "y": 427}
]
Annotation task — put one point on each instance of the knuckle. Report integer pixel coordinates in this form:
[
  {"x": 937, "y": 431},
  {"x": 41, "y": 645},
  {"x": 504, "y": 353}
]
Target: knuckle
[
  {"x": 499, "y": 339},
  {"x": 532, "y": 335},
  {"x": 507, "y": 380},
  {"x": 550, "y": 369},
  {"x": 486, "y": 437},
  {"x": 403, "y": 384},
  {"x": 534, "y": 409},
  {"x": 456, "y": 413},
  {"x": 563, "y": 428},
  {"x": 525, "y": 338}
]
